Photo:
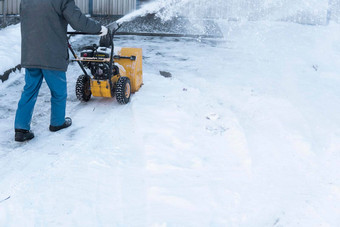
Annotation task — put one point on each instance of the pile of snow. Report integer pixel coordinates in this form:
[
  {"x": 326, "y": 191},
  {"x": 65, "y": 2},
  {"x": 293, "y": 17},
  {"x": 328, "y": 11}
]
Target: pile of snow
[{"x": 10, "y": 48}]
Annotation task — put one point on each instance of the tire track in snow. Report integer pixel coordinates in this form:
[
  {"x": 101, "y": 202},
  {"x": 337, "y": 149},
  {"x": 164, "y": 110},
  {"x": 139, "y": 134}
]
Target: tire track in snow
[{"x": 107, "y": 128}]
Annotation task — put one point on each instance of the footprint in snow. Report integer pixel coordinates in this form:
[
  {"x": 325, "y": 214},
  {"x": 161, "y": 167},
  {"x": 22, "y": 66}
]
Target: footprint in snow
[
  {"x": 213, "y": 116},
  {"x": 216, "y": 130}
]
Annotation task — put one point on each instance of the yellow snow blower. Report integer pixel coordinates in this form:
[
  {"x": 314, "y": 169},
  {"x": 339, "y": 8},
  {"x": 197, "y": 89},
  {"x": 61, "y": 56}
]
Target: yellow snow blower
[{"x": 113, "y": 73}]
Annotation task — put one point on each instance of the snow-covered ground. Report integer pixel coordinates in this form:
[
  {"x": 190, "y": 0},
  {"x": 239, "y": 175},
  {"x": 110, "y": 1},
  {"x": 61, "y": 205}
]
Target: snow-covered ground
[{"x": 245, "y": 133}]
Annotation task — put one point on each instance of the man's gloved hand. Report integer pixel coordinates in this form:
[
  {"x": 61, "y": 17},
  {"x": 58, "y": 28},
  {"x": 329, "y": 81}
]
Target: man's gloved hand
[
  {"x": 104, "y": 31},
  {"x": 106, "y": 40}
]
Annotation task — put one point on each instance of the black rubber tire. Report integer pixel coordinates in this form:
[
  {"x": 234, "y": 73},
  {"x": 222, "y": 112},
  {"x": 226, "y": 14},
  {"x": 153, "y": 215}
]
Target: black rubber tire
[
  {"x": 123, "y": 90},
  {"x": 83, "y": 88}
]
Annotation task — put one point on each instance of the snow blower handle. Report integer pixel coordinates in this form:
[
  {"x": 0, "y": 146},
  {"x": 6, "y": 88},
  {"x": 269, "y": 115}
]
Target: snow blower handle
[
  {"x": 107, "y": 40},
  {"x": 82, "y": 33},
  {"x": 113, "y": 28}
]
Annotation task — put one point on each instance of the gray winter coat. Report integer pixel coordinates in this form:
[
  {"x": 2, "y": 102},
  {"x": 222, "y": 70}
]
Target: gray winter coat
[{"x": 43, "y": 32}]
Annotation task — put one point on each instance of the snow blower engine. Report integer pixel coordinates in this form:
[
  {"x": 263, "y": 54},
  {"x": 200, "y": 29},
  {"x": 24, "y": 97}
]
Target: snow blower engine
[{"x": 112, "y": 74}]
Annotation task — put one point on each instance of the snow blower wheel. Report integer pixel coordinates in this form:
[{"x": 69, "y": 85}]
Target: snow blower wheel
[
  {"x": 123, "y": 90},
  {"x": 83, "y": 88}
]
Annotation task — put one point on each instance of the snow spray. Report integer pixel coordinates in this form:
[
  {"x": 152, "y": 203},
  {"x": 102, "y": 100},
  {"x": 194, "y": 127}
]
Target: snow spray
[{"x": 301, "y": 11}]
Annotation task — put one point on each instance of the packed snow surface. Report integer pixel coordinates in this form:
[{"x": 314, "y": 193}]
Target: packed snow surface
[{"x": 245, "y": 132}]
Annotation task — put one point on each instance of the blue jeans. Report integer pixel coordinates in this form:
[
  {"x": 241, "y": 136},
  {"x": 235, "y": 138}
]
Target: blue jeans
[{"x": 56, "y": 81}]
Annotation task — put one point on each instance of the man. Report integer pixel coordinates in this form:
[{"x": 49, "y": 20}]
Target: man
[{"x": 44, "y": 54}]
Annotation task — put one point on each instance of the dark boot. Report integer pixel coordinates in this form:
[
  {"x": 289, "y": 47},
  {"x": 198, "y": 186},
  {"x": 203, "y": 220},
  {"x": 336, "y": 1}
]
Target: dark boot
[
  {"x": 22, "y": 135},
  {"x": 67, "y": 123}
]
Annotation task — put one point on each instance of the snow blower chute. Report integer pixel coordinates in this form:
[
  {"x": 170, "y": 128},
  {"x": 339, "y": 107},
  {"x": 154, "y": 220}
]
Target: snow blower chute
[{"x": 112, "y": 74}]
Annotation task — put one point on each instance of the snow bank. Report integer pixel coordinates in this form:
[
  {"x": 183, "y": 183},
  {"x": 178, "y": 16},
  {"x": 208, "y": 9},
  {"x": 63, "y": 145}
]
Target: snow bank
[{"x": 10, "y": 48}]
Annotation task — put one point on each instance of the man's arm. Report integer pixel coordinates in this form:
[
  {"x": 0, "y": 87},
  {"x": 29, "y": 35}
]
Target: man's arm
[{"x": 77, "y": 20}]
